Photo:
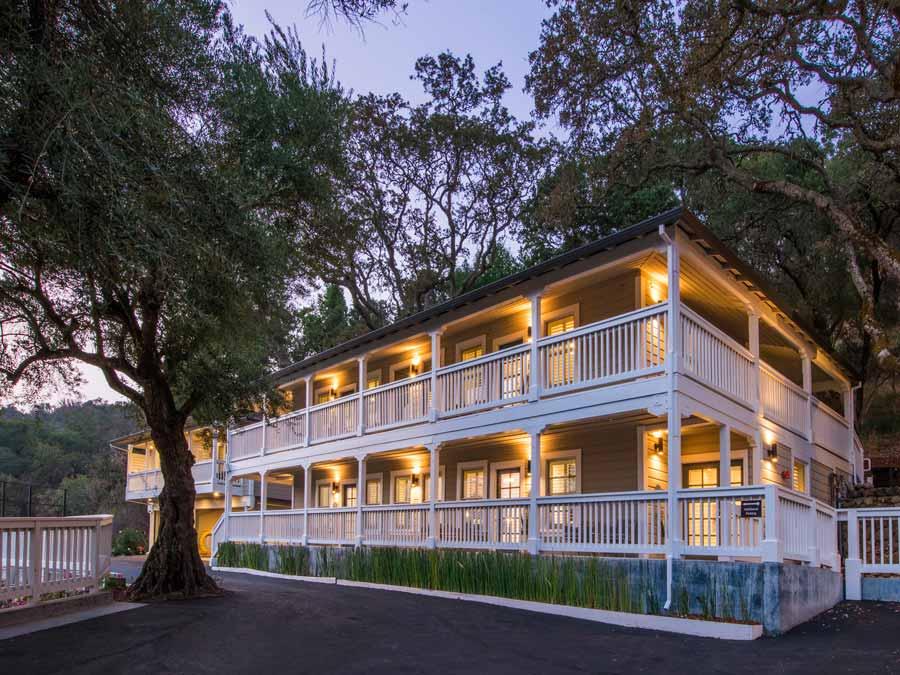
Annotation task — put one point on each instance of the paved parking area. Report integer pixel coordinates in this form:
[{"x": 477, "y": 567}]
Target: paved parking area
[{"x": 271, "y": 625}]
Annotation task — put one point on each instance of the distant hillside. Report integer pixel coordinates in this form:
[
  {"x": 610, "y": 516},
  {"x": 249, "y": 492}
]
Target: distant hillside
[{"x": 63, "y": 453}]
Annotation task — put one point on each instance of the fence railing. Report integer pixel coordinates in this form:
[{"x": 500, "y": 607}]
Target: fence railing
[
  {"x": 873, "y": 545},
  {"x": 336, "y": 419},
  {"x": 245, "y": 441},
  {"x": 143, "y": 483},
  {"x": 397, "y": 403},
  {"x": 286, "y": 431},
  {"x": 39, "y": 556},
  {"x": 491, "y": 380},
  {"x": 783, "y": 401},
  {"x": 625, "y": 347},
  {"x": 715, "y": 359},
  {"x": 781, "y": 525},
  {"x": 830, "y": 430}
]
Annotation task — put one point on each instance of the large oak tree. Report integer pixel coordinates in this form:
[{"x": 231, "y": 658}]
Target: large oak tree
[{"x": 157, "y": 168}]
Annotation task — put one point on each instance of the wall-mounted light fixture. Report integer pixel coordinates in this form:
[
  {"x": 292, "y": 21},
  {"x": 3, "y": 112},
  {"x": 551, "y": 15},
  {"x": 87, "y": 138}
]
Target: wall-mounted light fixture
[
  {"x": 414, "y": 480},
  {"x": 414, "y": 363},
  {"x": 654, "y": 292},
  {"x": 658, "y": 446},
  {"x": 772, "y": 452},
  {"x": 528, "y": 468}
]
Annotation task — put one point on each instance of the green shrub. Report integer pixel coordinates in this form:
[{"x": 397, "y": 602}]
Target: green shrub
[
  {"x": 250, "y": 556},
  {"x": 293, "y": 560},
  {"x": 129, "y": 541}
]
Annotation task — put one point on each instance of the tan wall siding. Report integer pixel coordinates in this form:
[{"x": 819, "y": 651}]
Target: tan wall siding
[
  {"x": 608, "y": 455},
  {"x": 699, "y": 442}
]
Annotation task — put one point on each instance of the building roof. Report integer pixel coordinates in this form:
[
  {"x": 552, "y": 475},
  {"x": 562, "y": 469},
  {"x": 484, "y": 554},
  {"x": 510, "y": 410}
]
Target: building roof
[{"x": 679, "y": 215}]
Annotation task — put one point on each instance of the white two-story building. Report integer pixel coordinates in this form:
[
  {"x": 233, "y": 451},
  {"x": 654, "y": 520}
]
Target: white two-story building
[{"x": 645, "y": 394}]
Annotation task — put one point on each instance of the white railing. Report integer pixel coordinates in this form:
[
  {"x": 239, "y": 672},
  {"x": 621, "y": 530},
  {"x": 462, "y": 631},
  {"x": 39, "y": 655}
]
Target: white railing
[
  {"x": 711, "y": 521},
  {"x": 202, "y": 472},
  {"x": 143, "y": 483},
  {"x": 286, "y": 431},
  {"x": 783, "y": 401},
  {"x": 219, "y": 535},
  {"x": 827, "y": 535},
  {"x": 830, "y": 430},
  {"x": 873, "y": 545},
  {"x": 495, "y": 523},
  {"x": 714, "y": 358},
  {"x": 797, "y": 531},
  {"x": 396, "y": 525},
  {"x": 245, "y": 441},
  {"x": 500, "y": 378},
  {"x": 404, "y": 402},
  {"x": 243, "y": 526},
  {"x": 633, "y": 522},
  {"x": 628, "y": 346},
  {"x": 221, "y": 471},
  {"x": 332, "y": 526},
  {"x": 49, "y": 555},
  {"x": 335, "y": 419},
  {"x": 284, "y": 526}
]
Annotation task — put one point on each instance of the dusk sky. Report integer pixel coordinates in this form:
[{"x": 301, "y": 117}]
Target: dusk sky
[{"x": 382, "y": 59}]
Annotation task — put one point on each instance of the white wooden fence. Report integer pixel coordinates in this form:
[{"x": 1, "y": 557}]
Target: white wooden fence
[
  {"x": 873, "y": 545},
  {"x": 403, "y": 402},
  {"x": 39, "y": 556},
  {"x": 714, "y": 358},
  {"x": 498, "y": 378}
]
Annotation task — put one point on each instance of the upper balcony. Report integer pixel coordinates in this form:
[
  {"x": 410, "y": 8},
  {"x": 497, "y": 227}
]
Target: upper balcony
[
  {"x": 144, "y": 478},
  {"x": 598, "y": 323}
]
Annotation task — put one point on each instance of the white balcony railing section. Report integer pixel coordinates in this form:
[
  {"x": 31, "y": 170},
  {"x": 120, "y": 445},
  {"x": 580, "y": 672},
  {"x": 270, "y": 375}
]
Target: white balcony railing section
[
  {"x": 245, "y": 441},
  {"x": 783, "y": 401},
  {"x": 144, "y": 483},
  {"x": 286, "y": 431},
  {"x": 488, "y": 381},
  {"x": 873, "y": 545},
  {"x": 714, "y": 358},
  {"x": 628, "y": 346},
  {"x": 633, "y": 522},
  {"x": 791, "y": 526},
  {"x": 48, "y": 555},
  {"x": 830, "y": 430},
  {"x": 335, "y": 419},
  {"x": 403, "y": 402}
]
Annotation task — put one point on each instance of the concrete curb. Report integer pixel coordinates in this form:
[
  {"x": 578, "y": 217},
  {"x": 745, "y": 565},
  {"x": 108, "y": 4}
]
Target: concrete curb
[
  {"x": 669, "y": 624},
  {"x": 54, "y": 608}
]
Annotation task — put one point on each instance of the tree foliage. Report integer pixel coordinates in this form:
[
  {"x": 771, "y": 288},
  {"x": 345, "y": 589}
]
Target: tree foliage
[
  {"x": 430, "y": 194},
  {"x": 157, "y": 170},
  {"x": 696, "y": 87}
]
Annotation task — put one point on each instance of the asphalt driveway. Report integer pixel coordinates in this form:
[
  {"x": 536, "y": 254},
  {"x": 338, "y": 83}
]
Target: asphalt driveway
[{"x": 272, "y": 626}]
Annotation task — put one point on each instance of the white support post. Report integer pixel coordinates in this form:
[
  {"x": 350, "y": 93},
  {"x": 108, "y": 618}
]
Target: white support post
[
  {"x": 850, "y": 415},
  {"x": 853, "y": 564},
  {"x": 435, "y": 364},
  {"x": 265, "y": 424},
  {"x": 215, "y": 457},
  {"x": 307, "y": 472},
  {"x": 360, "y": 496},
  {"x": 307, "y": 433},
  {"x": 812, "y": 530},
  {"x": 362, "y": 375},
  {"x": 673, "y": 365},
  {"x": 37, "y": 557},
  {"x": 771, "y": 544},
  {"x": 227, "y": 506},
  {"x": 534, "y": 391},
  {"x": 434, "y": 469},
  {"x": 534, "y": 532},
  {"x": 724, "y": 456},
  {"x": 753, "y": 335},
  {"x": 806, "y": 364},
  {"x": 263, "y": 497}
]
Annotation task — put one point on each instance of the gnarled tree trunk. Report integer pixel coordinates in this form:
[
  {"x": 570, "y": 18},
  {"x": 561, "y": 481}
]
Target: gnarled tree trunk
[{"x": 174, "y": 568}]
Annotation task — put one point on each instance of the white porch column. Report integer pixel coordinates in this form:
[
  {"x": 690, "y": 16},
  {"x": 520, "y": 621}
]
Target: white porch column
[
  {"x": 227, "y": 506},
  {"x": 263, "y": 496},
  {"x": 307, "y": 470},
  {"x": 435, "y": 364},
  {"x": 673, "y": 365},
  {"x": 853, "y": 564},
  {"x": 534, "y": 391},
  {"x": 215, "y": 457},
  {"x": 806, "y": 364},
  {"x": 755, "y": 469},
  {"x": 363, "y": 375},
  {"x": 308, "y": 380},
  {"x": 850, "y": 415},
  {"x": 360, "y": 497},
  {"x": 434, "y": 469},
  {"x": 265, "y": 424},
  {"x": 534, "y": 533},
  {"x": 724, "y": 456}
]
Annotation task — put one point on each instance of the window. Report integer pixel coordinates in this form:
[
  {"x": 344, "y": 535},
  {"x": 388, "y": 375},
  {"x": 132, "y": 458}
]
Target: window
[
  {"x": 350, "y": 495},
  {"x": 799, "y": 478},
  {"x": 561, "y": 325},
  {"x": 473, "y": 484},
  {"x": 324, "y": 496},
  {"x": 373, "y": 380},
  {"x": 509, "y": 484},
  {"x": 402, "y": 373},
  {"x": 562, "y": 478},
  {"x": 561, "y": 355},
  {"x": 471, "y": 353},
  {"x": 706, "y": 475},
  {"x": 401, "y": 489},
  {"x": 322, "y": 397},
  {"x": 373, "y": 491}
]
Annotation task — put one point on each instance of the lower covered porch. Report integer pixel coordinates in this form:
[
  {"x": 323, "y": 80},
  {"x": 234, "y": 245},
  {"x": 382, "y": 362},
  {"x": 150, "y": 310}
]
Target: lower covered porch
[{"x": 601, "y": 486}]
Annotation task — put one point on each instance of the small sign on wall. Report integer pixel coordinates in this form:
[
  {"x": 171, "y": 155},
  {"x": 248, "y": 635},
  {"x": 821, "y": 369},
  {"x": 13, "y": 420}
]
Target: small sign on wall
[{"x": 751, "y": 508}]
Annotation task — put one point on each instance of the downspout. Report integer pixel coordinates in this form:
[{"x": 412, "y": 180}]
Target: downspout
[{"x": 670, "y": 376}]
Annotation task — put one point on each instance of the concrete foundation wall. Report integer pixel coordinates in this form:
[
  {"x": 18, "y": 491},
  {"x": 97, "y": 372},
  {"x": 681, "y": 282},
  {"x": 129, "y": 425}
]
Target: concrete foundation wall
[
  {"x": 774, "y": 595},
  {"x": 881, "y": 588}
]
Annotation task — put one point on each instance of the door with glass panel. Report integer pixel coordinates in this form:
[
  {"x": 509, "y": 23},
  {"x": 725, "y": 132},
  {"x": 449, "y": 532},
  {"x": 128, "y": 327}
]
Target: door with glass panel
[
  {"x": 702, "y": 517},
  {"x": 512, "y": 523}
]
